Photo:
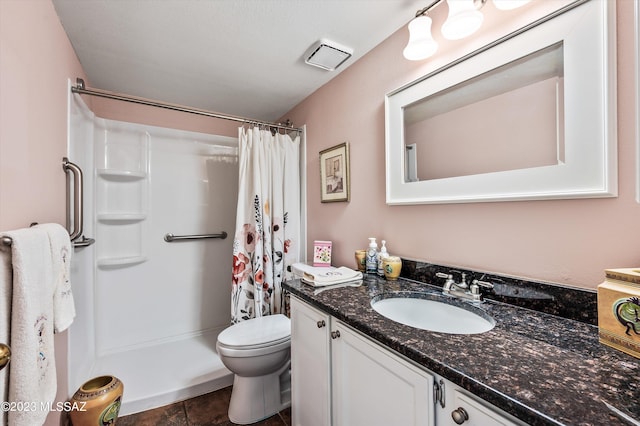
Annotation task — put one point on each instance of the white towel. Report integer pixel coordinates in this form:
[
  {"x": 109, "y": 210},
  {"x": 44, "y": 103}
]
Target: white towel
[
  {"x": 324, "y": 275},
  {"x": 35, "y": 279},
  {"x": 64, "y": 310}
]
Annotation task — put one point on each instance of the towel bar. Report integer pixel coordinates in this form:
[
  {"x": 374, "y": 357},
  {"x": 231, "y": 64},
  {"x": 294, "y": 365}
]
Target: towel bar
[
  {"x": 6, "y": 240},
  {"x": 82, "y": 242}
]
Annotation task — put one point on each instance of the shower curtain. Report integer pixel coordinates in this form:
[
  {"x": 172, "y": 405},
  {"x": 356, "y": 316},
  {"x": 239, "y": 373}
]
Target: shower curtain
[{"x": 267, "y": 222}]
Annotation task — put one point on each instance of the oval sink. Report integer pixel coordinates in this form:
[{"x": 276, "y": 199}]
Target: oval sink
[{"x": 433, "y": 313}]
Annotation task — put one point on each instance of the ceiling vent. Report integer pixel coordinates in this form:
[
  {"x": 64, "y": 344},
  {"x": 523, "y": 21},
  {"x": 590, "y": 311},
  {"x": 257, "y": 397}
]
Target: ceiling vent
[{"x": 328, "y": 55}]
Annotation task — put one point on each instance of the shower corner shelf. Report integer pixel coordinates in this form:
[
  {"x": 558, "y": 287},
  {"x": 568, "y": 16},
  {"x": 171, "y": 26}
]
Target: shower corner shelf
[
  {"x": 121, "y": 261},
  {"x": 121, "y": 174},
  {"x": 121, "y": 217}
]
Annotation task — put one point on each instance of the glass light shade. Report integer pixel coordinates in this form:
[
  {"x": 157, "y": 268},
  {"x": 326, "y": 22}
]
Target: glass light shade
[
  {"x": 421, "y": 43},
  {"x": 509, "y": 4},
  {"x": 463, "y": 20}
]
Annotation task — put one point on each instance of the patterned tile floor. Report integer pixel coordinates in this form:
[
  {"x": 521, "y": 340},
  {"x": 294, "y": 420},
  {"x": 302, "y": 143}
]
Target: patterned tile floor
[{"x": 206, "y": 410}]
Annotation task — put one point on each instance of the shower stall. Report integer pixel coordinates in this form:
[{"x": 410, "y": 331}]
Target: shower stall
[{"x": 150, "y": 307}]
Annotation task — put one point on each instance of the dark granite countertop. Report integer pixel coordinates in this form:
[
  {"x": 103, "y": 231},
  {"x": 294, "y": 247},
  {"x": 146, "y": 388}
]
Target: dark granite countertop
[{"x": 541, "y": 368}]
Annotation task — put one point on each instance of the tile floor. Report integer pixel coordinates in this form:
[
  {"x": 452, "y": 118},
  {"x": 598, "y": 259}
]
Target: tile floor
[{"x": 206, "y": 410}]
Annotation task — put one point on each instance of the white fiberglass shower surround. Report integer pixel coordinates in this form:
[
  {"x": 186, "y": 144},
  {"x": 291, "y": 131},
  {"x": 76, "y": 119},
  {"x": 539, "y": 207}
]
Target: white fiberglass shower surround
[{"x": 149, "y": 311}]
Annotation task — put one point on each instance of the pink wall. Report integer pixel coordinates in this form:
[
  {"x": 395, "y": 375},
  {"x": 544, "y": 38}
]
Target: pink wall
[{"x": 566, "y": 241}]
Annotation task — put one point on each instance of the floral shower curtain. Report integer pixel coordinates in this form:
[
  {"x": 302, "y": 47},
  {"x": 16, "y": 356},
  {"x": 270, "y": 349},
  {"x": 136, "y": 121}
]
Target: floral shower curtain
[{"x": 267, "y": 222}]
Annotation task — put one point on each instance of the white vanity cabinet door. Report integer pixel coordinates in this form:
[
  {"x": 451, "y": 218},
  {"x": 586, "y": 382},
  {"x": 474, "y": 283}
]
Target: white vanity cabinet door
[
  {"x": 371, "y": 386},
  {"x": 310, "y": 368},
  {"x": 479, "y": 413}
]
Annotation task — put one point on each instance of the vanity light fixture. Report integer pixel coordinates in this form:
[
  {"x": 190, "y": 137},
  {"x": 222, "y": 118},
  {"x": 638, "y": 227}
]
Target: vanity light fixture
[
  {"x": 463, "y": 20},
  {"x": 421, "y": 43}
]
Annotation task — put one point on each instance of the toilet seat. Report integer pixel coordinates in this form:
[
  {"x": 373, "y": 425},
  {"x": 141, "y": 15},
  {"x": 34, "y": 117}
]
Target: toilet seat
[{"x": 257, "y": 333}]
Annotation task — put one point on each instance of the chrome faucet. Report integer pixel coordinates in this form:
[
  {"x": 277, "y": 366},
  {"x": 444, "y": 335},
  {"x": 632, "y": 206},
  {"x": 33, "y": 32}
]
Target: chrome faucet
[{"x": 463, "y": 290}]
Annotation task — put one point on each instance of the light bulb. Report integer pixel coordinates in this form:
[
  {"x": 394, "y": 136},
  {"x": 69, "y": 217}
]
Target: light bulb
[
  {"x": 421, "y": 43},
  {"x": 463, "y": 20}
]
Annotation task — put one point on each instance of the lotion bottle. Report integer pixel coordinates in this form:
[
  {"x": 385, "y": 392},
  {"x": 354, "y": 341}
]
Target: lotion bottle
[
  {"x": 372, "y": 257},
  {"x": 381, "y": 256}
]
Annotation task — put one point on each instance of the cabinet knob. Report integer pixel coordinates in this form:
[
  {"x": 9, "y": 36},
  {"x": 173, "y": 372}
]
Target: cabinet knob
[
  {"x": 335, "y": 334},
  {"x": 459, "y": 415},
  {"x": 321, "y": 324}
]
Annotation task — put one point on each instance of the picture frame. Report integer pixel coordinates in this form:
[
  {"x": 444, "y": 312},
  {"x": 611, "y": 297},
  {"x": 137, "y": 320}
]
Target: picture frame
[{"x": 334, "y": 174}]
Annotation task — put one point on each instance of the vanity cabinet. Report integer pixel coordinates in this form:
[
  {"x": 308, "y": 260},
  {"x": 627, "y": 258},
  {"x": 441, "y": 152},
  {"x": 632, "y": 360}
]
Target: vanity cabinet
[{"x": 340, "y": 377}]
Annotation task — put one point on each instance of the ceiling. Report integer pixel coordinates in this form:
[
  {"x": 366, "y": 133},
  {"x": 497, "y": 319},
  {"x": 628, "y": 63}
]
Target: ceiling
[{"x": 238, "y": 57}]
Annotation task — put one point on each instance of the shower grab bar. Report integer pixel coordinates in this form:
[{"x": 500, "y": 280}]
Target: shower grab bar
[
  {"x": 74, "y": 235},
  {"x": 171, "y": 238},
  {"x": 83, "y": 242},
  {"x": 77, "y": 198}
]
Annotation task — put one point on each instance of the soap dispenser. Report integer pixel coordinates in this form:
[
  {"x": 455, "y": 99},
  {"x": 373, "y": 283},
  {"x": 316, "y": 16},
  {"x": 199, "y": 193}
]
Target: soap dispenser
[
  {"x": 372, "y": 257},
  {"x": 381, "y": 257}
]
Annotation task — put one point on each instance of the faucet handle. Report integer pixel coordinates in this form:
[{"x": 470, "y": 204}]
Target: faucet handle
[
  {"x": 482, "y": 284},
  {"x": 450, "y": 282}
]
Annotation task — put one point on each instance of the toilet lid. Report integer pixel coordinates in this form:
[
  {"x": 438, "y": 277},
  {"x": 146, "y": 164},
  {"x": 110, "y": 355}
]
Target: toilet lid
[{"x": 260, "y": 331}]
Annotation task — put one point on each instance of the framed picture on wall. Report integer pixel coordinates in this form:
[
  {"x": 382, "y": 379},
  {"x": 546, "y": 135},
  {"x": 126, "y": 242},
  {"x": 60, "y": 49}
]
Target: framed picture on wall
[{"x": 334, "y": 174}]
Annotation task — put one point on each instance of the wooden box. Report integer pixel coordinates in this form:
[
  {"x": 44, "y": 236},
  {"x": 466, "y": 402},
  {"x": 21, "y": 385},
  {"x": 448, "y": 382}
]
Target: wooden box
[{"x": 619, "y": 310}]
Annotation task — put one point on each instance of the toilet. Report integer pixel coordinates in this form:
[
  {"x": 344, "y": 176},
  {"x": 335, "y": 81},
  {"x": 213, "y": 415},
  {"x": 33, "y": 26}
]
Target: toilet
[{"x": 257, "y": 352}]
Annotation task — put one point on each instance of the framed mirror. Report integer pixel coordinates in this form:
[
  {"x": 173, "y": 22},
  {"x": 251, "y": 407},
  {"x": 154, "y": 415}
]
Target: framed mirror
[{"x": 530, "y": 116}]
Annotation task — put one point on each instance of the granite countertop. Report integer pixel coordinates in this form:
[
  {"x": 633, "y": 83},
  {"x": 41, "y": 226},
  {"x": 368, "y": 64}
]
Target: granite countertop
[{"x": 541, "y": 368}]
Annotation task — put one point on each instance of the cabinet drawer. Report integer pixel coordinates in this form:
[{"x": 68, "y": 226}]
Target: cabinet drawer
[{"x": 479, "y": 413}]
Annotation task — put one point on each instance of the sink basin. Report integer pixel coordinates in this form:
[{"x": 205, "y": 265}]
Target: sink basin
[{"x": 434, "y": 313}]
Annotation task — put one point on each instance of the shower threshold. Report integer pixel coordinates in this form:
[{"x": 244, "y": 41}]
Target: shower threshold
[{"x": 161, "y": 374}]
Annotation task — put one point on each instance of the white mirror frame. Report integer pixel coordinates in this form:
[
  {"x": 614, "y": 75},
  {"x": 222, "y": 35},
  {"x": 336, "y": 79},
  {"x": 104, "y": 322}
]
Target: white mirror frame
[{"x": 587, "y": 30}]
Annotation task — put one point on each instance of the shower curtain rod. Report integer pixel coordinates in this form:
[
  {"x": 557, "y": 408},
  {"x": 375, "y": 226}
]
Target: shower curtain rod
[{"x": 80, "y": 89}]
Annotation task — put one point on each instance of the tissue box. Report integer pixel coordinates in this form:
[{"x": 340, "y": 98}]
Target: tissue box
[
  {"x": 619, "y": 310},
  {"x": 322, "y": 253}
]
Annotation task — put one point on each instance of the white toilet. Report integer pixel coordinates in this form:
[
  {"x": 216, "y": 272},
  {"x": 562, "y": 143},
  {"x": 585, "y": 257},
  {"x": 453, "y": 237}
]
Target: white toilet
[{"x": 258, "y": 352}]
